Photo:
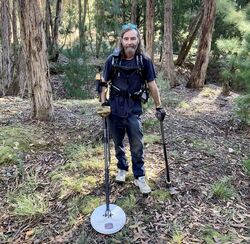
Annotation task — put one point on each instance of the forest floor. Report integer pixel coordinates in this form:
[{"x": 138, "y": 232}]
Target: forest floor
[{"x": 52, "y": 174}]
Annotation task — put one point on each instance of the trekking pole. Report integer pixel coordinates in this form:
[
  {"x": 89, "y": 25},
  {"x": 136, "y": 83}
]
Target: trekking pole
[
  {"x": 165, "y": 154},
  {"x": 107, "y": 162}
]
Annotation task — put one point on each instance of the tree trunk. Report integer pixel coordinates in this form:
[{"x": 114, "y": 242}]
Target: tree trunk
[
  {"x": 198, "y": 74},
  {"x": 82, "y": 19},
  {"x": 14, "y": 87},
  {"x": 22, "y": 72},
  {"x": 14, "y": 22},
  {"x": 167, "y": 59},
  {"x": 123, "y": 12},
  {"x": 55, "y": 48},
  {"x": 133, "y": 11},
  {"x": 34, "y": 45},
  {"x": 188, "y": 42},
  {"x": 99, "y": 24},
  {"x": 150, "y": 10},
  {"x": 48, "y": 26},
  {"x": 6, "y": 38}
]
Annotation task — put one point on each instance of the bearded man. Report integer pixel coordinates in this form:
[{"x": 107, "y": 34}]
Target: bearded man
[{"x": 128, "y": 69}]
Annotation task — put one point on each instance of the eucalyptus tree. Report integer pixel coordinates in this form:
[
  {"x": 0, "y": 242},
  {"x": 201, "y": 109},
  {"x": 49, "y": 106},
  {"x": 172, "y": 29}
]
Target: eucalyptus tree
[
  {"x": 52, "y": 27},
  {"x": 5, "y": 72},
  {"x": 34, "y": 45},
  {"x": 82, "y": 20},
  {"x": 48, "y": 23},
  {"x": 198, "y": 74},
  {"x": 189, "y": 40},
  {"x": 150, "y": 13},
  {"x": 57, "y": 22},
  {"x": 17, "y": 83},
  {"x": 167, "y": 60},
  {"x": 133, "y": 11}
]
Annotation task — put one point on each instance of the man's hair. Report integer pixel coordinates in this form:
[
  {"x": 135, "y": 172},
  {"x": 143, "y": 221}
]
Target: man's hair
[{"x": 140, "y": 48}]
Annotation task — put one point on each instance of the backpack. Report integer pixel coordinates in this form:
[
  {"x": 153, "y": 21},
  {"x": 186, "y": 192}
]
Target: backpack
[{"x": 143, "y": 94}]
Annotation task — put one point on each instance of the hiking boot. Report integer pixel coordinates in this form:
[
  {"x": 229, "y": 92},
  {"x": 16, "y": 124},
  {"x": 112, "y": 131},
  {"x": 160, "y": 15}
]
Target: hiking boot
[
  {"x": 120, "y": 177},
  {"x": 144, "y": 187}
]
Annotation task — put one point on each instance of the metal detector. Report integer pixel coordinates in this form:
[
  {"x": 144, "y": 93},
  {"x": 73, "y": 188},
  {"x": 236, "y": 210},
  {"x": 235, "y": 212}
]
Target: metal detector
[
  {"x": 165, "y": 154},
  {"x": 107, "y": 218}
]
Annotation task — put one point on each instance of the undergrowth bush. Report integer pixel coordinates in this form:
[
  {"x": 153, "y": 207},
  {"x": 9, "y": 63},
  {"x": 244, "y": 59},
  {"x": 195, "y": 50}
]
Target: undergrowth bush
[
  {"x": 246, "y": 165},
  {"x": 242, "y": 109},
  {"x": 78, "y": 74},
  {"x": 222, "y": 189}
]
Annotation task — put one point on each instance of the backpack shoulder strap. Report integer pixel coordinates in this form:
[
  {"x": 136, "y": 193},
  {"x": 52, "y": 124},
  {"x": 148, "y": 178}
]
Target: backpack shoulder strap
[
  {"x": 116, "y": 58},
  {"x": 139, "y": 61},
  {"x": 140, "y": 64}
]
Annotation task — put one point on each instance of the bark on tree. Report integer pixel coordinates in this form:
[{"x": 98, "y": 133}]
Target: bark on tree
[
  {"x": 5, "y": 74},
  {"x": 14, "y": 22},
  {"x": 48, "y": 21},
  {"x": 58, "y": 17},
  {"x": 34, "y": 45},
  {"x": 82, "y": 20},
  {"x": 188, "y": 42},
  {"x": 167, "y": 58},
  {"x": 123, "y": 12},
  {"x": 198, "y": 75},
  {"x": 150, "y": 10},
  {"x": 133, "y": 11},
  {"x": 14, "y": 87},
  {"x": 99, "y": 26},
  {"x": 22, "y": 71}
]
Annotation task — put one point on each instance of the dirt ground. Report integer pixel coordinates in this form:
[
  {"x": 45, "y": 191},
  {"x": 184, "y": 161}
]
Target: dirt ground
[{"x": 205, "y": 144}]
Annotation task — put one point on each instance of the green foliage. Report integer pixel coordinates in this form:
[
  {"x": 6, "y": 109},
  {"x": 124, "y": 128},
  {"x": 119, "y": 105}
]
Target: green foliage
[
  {"x": 8, "y": 155},
  {"x": 222, "y": 189},
  {"x": 16, "y": 140},
  {"x": 161, "y": 195},
  {"x": 150, "y": 124},
  {"x": 204, "y": 145},
  {"x": 127, "y": 203},
  {"x": 171, "y": 101},
  {"x": 76, "y": 152},
  {"x": 78, "y": 75},
  {"x": 69, "y": 19},
  {"x": 20, "y": 138},
  {"x": 246, "y": 165},
  {"x": 150, "y": 139},
  {"x": 242, "y": 108},
  {"x": 30, "y": 205},
  {"x": 25, "y": 201},
  {"x": 177, "y": 237},
  {"x": 162, "y": 83},
  {"x": 78, "y": 175},
  {"x": 82, "y": 205},
  {"x": 83, "y": 157},
  {"x": 210, "y": 235},
  {"x": 230, "y": 45},
  {"x": 183, "y": 13},
  {"x": 234, "y": 47},
  {"x": 88, "y": 204},
  {"x": 183, "y": 105},
  {"x": 164, "y": 87},
  {"x": 106, "y": 31},
  {"x": 73, "y": 183}
]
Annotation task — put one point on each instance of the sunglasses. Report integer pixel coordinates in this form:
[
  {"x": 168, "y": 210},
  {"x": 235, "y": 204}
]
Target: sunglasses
[{"x": 129, "y": 26}]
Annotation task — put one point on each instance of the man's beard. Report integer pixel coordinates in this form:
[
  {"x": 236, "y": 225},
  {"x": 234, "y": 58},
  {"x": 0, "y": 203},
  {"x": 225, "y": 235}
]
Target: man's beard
[{"x": 129, "y": 51}]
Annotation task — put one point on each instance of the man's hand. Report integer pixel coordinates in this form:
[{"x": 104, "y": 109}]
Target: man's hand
[
  {"x": 104, "y": 110},
  {"x": 160, "y": 114}
]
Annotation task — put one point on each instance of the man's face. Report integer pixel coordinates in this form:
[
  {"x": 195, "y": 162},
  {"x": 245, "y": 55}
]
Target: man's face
[{"x": 130, "y": 43}]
